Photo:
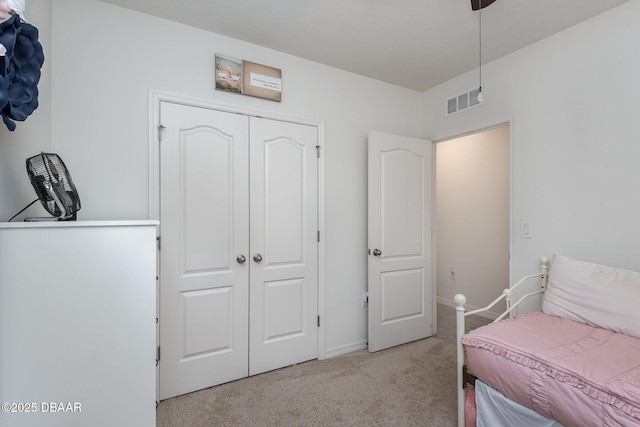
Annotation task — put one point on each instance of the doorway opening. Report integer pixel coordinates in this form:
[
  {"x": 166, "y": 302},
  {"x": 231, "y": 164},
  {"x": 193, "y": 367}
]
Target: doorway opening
[{"x": 473, "y": 211}]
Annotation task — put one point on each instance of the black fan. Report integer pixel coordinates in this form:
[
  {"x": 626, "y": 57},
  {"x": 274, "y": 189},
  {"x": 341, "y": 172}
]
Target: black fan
[
  {"x": 54, "y": 186},
  {"x": 480, "y": 4}
]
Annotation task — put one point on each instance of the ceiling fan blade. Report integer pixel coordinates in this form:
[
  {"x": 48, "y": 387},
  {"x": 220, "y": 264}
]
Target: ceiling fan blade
[{"x": 475, "y": 4}]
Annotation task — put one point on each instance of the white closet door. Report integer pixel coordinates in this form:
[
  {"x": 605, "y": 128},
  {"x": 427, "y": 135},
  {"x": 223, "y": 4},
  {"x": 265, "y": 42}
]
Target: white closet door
[
  {"x": 284, "y": 247},
  {"x": 400, "y": 278},
  {"x": 204, "y": 216}
]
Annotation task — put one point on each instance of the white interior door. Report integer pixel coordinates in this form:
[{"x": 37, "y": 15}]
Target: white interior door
[
  {"x": 238, "y": 263},
  {"x": 283, "y": 245},
  {"x": 400, "y": 277},
  {"x": 204, "y": 215}
]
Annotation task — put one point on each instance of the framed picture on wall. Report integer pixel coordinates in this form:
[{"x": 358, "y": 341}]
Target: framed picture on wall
[
  {"x": 228, "y": 74},
  {"x": 262, "y": 81}
]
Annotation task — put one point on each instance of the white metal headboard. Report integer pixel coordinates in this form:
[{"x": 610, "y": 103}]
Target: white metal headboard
[{"x": 461, "y": 300}]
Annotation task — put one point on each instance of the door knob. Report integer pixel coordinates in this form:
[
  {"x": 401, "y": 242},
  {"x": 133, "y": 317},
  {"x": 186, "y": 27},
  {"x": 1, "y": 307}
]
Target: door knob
[
  {"x": 241, "y": 259},
  {"x": 257, "y": 257},
  {"x": 377, "y": 252}
]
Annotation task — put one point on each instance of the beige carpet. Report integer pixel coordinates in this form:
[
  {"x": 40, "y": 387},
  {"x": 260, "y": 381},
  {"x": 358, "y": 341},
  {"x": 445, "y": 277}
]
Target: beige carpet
[{"x": 408, "y": 385}]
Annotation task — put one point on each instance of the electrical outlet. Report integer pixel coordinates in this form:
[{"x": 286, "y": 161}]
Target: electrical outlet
[{"x": 365, "y": 299}]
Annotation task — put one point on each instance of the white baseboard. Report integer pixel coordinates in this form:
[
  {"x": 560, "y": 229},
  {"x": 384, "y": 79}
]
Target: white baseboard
[
  {"x": 492, "y": 315},
  {"x": 360, "y": 345},
  {"x": 344, "y": 349}
]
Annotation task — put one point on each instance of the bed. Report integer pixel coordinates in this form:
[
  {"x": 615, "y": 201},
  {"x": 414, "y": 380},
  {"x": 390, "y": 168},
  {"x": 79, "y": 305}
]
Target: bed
[{"x": 576, "y": 362}]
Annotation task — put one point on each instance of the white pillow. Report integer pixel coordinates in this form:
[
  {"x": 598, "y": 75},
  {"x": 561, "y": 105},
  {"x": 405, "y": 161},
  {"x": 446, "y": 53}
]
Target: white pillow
[{"x": 594, "y": 294}]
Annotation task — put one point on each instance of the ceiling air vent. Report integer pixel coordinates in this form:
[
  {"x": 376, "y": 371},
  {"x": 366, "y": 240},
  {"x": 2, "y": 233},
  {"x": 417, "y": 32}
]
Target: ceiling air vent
[{"x": 462, "y": 102}]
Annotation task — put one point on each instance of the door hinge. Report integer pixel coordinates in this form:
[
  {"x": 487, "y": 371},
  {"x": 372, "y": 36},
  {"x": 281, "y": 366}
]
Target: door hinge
[
  {"x": 158, "y": 354},
  {"x": 318, "y": 235},
  {"x": 318, "y": 151},
  {"x": 160, "y": 130},
  {"x": 318, "y": 321},
  {"x": 158, "y": 241}
]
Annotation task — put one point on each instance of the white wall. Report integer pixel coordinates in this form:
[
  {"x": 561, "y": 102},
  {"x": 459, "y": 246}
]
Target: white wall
[
  {"x": 472, "y": 217},
  {"x": 31, "y": 136},
  {"x": 574, "y": 102},
  {"x": 105, "y": 61}
]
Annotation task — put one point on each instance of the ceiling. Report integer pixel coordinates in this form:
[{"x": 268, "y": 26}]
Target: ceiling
[{"x": 416, "y": 44}]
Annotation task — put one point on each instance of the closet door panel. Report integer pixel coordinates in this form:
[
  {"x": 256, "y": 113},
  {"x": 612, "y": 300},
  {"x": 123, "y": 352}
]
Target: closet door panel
[
  {"x": 283, "y": 288},
  {"x": 284, "y": 202},
  {"x": 239, "y": 246},
  {"x": 204, "y": 216}
]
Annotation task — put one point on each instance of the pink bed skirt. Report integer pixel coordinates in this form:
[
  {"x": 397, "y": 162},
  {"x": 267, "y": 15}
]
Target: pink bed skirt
[{"x": 470, "y": 412}]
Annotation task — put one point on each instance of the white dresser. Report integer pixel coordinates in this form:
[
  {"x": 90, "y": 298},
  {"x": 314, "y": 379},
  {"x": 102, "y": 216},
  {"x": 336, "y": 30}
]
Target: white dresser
[{"x": 77, "y": 324}]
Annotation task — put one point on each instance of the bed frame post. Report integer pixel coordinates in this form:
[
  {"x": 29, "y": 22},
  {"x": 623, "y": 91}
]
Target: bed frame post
[
  {"x": 544, "y": 271},
  {"x": 460, "y": 301}
]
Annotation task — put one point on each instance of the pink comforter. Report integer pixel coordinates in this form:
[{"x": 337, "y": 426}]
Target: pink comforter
[{"x": 574, "y": 373}]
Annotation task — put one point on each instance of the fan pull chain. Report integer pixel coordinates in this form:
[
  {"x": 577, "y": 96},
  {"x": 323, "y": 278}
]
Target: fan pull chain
[{"x": 480, "y": 96}]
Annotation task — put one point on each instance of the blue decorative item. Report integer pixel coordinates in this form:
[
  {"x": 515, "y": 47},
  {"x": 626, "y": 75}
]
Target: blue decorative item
[{"x": 20, "y": 72}]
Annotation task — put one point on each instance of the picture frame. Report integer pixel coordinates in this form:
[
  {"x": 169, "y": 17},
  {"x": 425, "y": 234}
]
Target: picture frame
[
  {"x": 228, "y": 73},
  {"x": 262, "y": 81}
]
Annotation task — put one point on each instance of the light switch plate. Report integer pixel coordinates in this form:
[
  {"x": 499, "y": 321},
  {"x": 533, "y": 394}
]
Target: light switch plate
[{"x": 525, "y": 230}]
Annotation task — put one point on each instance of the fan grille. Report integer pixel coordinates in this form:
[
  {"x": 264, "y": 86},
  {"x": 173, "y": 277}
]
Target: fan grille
[{"x": 53, "y": 185}]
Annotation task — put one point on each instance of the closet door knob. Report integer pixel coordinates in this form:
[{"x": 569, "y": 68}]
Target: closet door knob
[
  {"x": 377, "y": 252},
  {"x": 241, "y": 259},
  {"x": 257, "y": 257}
]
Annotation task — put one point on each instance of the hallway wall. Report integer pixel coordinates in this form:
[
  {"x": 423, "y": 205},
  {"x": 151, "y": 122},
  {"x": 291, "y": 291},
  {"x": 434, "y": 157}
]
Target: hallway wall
[{"x": 472, "y": 217}]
